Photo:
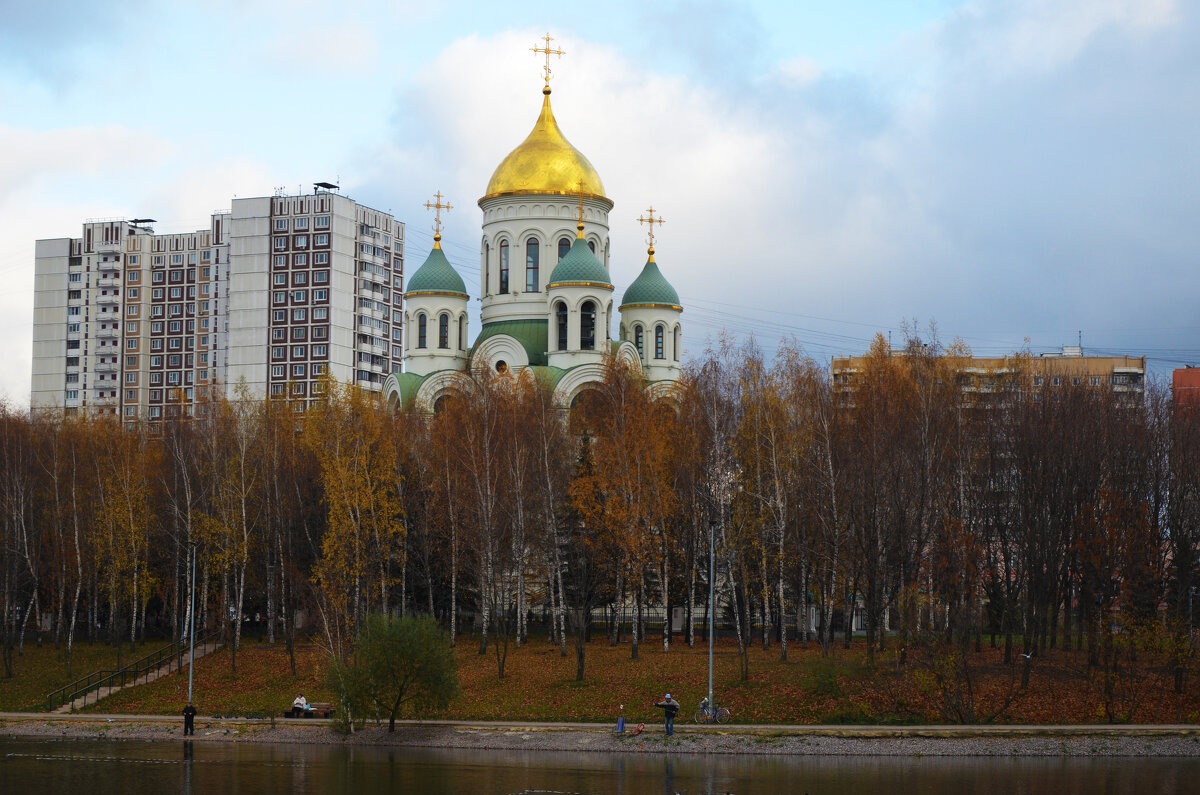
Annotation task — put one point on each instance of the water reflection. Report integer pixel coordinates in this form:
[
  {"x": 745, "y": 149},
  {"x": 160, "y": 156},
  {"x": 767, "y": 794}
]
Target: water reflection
[{"x": 133, "y": 768}]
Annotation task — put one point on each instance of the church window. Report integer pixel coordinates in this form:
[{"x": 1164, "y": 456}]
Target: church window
[
  {"x": 462, "y": 333},
  {"x": 587, "y": 326},
  {"x": 638, "y": 341},
  {"x": 531, "y": 265},
  {"x": 560, "y": 313},
  {"x": 564, "y": 245},
  {"x": 592, "y": 245},
  {"x": 675, "y": 344},
  {"x": 658, "y": 342},
  {"x": 421, "y": 339},
  {"x": 444, "y": 331},
  {"x": 504, "y": 267}
]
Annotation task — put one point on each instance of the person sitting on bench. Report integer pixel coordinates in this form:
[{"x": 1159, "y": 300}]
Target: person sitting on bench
[{"x": 300, "y": 706}]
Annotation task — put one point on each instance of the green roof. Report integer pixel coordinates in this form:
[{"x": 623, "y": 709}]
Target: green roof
[
  {"x": 650, "y": 287},
  {"x": 579, "y": 266},
  {"x": 437, "y": 275},
  {"x": 408, "y": 384},
  {"x": 533, "y": 336}
]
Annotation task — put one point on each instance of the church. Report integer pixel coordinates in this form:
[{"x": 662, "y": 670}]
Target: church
[{"x": 546, "y": 292}]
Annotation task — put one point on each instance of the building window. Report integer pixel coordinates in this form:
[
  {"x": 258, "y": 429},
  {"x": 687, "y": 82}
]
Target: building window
[
  {"x": 297, "y": 351},
  {"x": 320, "y": 295},
  {"x": 301, "y": 241},
  {"x": 320, "y": 350},
  {"x": 531, "y": 265},
  {"x": 277, "y": 352},
  {"x": 300, "y": 314},
  {"x": 279, "y": 316},
  {"x": 299, "y": 279},
  {"x": 279, "y": 297},
  {"x": 658, "y": 342},
  {"x": 276, "y": 389},
  {"x": 281, "y": 260},
  {"x": 281, "y": 244},
  {"x": 444, "y": 331},
  {"x": 638, "y": 342},
  {"x": 560, "y": 314},
  {"x": 132, "y": 292},
  {"x": 320, "y": 277},
  {"x": 280, "y": 280},
  {"x": 300, "y": 295},
  {"x": 320, "y": 240},
  {"x": 587, "y": 326},
  {"x": 462, "y": 332},
  {"x": 298, "y": 332},
  {"x": 300, "y": 260},
  {"x": 675, "y": 344},
  {"x": 320, "y": 312},
  {"x": 298, "y": 370},
  {"x": 281, "y": 225},
  {"x": 421, "y": 341},
  {"x": 321, "y": 257},
  {"x": 300, "y": 224},
  {"x": 278, "y": 334},
  {"x": 592, "y": 245},
  {"x": 321, "y": 222},
  {"x": 504, "y": 267},
  {"x": 320, "y": 332},
  {"x": 564, "y": 245}
]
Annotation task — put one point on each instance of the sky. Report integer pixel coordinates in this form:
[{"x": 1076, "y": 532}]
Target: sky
[{"x": 1014, "y": 173}]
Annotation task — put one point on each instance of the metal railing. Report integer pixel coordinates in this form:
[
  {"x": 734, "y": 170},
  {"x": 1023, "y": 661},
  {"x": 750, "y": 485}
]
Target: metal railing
[{"x": 105, "y": 682}]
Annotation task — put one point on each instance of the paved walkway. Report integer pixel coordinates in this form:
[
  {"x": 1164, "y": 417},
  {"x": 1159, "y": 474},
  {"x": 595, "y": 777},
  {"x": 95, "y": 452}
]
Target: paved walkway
[
  {"x": 1095, "y": 730},
  {"x": 94, "y": 696}
]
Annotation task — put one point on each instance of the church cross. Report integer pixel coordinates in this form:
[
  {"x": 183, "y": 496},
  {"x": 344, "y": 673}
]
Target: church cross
[
  {"x": 579, "y": 217},
  {"x": 548, "y": 52},
  {"x": 651, "y": 220},
  {"x": 437, "y": 207}
]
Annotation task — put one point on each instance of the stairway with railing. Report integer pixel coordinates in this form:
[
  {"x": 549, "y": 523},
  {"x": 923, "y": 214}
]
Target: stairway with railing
[{"x": 103, "y": 683}]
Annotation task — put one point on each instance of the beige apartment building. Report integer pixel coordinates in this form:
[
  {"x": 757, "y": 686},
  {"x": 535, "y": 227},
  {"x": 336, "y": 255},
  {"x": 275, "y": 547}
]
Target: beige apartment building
[
  {"x": 273, "y": 294},
  {"x": 981, "y": 376}
]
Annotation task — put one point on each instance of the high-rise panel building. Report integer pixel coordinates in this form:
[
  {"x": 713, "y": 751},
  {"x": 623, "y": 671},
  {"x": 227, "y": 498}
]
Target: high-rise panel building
[{"x": 272, "y": 295}]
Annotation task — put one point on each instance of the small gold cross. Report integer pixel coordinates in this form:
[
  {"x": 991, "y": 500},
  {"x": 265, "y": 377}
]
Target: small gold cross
[
  {"x": 437, "y": 207},
  {"x": 548, "y": 52},
  {"x": 651, "y": 220}
]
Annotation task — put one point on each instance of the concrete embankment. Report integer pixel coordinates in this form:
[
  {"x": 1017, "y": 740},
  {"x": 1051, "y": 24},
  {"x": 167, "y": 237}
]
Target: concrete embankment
[{"x": 1099, "y": 740}]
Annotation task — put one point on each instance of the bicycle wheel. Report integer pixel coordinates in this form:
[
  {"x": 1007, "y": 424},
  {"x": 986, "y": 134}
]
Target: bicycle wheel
[
  {"x": 722, "y": 715},
  {"x": 700, "y": 716}
]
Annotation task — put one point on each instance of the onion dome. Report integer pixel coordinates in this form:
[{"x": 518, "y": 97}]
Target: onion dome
[
  {"x": 436, "y": 276},
  {"x": 651, "y": 288},
  {"x": 580, "y": 267},
  {"x": 545, "y": 162}
]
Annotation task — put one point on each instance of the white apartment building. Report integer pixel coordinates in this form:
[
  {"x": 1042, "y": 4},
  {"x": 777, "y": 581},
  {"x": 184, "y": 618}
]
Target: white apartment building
[{"x": 273, "y": 294}]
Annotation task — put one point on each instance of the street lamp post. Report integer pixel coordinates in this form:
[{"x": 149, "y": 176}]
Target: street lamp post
[
  {"x": 192, "y": 630},
  {"x": 712, "y": 524}
]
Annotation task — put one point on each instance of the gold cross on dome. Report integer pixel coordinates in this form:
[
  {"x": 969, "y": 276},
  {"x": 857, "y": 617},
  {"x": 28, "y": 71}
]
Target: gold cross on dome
[
  {"x": 579, "y": 216},
  {"x": 649, "y": 218},
  {"x": 437, "y": 207},
  {"x": 548, "y": 52}
]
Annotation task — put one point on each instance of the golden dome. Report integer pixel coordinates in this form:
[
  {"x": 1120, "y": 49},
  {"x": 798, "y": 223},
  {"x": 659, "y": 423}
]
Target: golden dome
[{"x": 545, "y": 162}]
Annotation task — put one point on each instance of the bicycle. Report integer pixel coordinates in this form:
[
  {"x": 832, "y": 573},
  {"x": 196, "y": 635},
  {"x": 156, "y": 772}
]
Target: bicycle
[{"x": 705, "y": 714}]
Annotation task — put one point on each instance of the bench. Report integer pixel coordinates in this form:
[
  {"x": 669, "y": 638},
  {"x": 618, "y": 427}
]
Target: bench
[{"x": 321, "y": 709}]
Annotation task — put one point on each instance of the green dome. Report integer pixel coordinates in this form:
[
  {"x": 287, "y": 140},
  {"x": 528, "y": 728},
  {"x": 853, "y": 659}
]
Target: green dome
[
  {"x": 436, "y": 276},
  {"x": 651, "y": 288},
  {"x": 580, "y": 266}
]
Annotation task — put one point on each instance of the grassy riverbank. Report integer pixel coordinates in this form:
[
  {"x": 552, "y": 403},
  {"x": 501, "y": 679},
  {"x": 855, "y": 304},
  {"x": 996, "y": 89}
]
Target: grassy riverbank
[{"x": 539, "y": 686}]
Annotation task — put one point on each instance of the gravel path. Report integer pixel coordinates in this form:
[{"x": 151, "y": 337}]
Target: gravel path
[{"x": 840, "y": 741}]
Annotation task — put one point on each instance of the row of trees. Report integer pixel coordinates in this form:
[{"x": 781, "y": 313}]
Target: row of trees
[{"x": 1057, "y": 516}]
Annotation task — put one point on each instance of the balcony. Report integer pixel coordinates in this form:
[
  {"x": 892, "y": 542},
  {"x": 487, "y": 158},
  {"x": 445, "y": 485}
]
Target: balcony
[
  {"x": 107, "y": 333},
  {"x": 108, "y": 299},
  {"x": 105, "y": 367},
  {"x": 108, "y": 281}
]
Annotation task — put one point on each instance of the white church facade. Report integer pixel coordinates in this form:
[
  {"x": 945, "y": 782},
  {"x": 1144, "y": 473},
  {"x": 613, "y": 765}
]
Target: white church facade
[{"x": 545, "y": 290}]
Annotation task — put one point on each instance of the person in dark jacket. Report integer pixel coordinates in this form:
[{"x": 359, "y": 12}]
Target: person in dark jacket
[
  {"x": 670, "y": 708},
  {"x": 189, "y": 719}
]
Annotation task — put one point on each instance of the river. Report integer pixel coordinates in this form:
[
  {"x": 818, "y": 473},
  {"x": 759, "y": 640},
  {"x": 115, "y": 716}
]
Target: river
[{"x": 42, "y": 767}]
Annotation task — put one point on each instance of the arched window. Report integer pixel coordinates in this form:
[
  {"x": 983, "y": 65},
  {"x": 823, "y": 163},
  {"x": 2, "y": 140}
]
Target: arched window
[
  {"x": 638, "y": 342},
  {"x": 564, "y": 245},
  {"x": 443, "y": 330},
  {"x": 675, "y": 343},
  {"x": 560, "y": 313},
  {"x": 487, "y": 263},
  {"x": 658, "y": 342},
  {"x": 462, "y": 333},
  {"x": 587, "y": 326},
  {"x": 504, "y": 267},
  {"x": 531, "y": 265},
  {"x": 421, "y": 339},
  {"x": 592, "y": 245}
]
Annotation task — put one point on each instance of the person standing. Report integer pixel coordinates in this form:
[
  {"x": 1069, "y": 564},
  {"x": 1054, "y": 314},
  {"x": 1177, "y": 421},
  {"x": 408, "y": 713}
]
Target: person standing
[
  {"x": 189, "y": 719},
  {"x": 670, "y": 708}
]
